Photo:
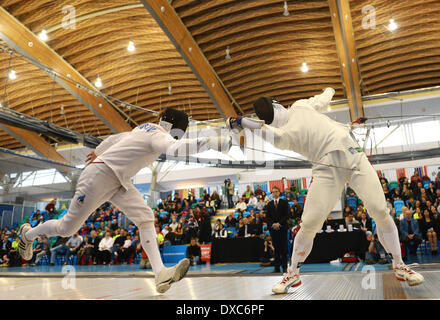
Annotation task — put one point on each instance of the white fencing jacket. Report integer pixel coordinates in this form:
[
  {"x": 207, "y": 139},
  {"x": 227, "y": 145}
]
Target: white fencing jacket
[
  {"x": 307, "y": 131},
  {"x": 128, "y": 152}
]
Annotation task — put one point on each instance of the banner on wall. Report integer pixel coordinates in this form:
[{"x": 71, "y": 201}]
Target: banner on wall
[{"x": 276, "y": 183}]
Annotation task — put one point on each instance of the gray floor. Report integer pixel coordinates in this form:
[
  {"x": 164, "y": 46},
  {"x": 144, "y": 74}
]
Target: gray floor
[{"x": 325, "y": 286}]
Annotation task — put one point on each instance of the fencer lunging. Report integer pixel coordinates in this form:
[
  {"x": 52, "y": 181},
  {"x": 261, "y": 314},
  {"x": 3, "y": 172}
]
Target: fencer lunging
[
  {"x": 336, "y": 160},
  {"x": 107, "y": 178}
]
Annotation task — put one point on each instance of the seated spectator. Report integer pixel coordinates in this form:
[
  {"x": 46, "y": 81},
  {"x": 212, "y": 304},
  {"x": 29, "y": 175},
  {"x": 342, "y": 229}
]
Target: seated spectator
[
  {"x": 160, "y": 237},
  {"x": 59, "y": 248},
  {"x": 244, "y": 230},
  {"x": 366, "y": 223},
  {"x": 169, "y": 236},
  {"x": 4, "y": 261},
  {"x": 73, "y": 245},
  {"x": 347, "y": 210},
  {"x": 119, "y": 240},
  {"x": 5, "y": 245},
  {"x": 415, "y": 178},
  {"x": 259, "y": 194},
  {"x": 268, "y": 253},
  {"x": 387, "y": 193},
  {"x": 252, "y": 201},
  {"x": 105, "y": 249},
  {"x": 297, "y": 210},
  {"x": 173, "y": 225},
  {"x": 216, "y": 198},
  {"x": 92, "y": 247},
  {"x": 211, "y": 205},
  {"x": 205, "y": 195},
  {"x": 45, "y": 250},
  {"x": 240, "y": 229},
  {"x": 131, "y": 228},
  {"x": 198, "y": 213},
  {"x": 258, "y": 219},
  {"x": 241, "y": 205},
  {"x": 409, "y": 229},
  {"x": 126, "y": 251},
  {"x": 247, "y": 194},
  {"x": 255, "y": 228},
  {"x": 291, "y": 193},
  {"x": 260, "y": 205},
  {"x": 428, "y": 228},
  {"x": 14, "y": 256},
  {"x": 351, "y": 220},
  {"x": 221, "y": 232},
  {"x": 194, "y": 253},
  {"x": 417, "y": 213},
  {"x": 145, "y": 262},
  {"x": 376, "y": 252},
  {"x": 179, "y": 233},
  {"x": 190, "y": 229},
  {"x": 328, "y": 222},
  {"x": 84, "y": 230},
  {"x": 82, "y": 249},
  {"x": 37, "y": 247},
  {"x": 50, "y": 208},
  {"x": 230, "y": 221}
]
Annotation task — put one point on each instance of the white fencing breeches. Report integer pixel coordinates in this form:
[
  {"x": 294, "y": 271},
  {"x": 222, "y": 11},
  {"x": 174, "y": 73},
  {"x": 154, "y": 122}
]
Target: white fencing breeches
[
  {"x": 96, "y": 185},
  {"x": 327, "y": 186}
]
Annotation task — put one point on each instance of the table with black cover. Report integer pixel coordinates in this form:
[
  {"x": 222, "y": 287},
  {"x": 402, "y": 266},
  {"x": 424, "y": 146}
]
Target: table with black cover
[
  {"x": 237, "y": 250},
  {"x": 331, "y": 246}
]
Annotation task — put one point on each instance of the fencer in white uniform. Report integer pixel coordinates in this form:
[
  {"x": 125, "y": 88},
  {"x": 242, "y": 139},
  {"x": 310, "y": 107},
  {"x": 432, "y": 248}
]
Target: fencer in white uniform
[
  {"x": 336, "y": 159},
  {"x": 107, "y": 178}
]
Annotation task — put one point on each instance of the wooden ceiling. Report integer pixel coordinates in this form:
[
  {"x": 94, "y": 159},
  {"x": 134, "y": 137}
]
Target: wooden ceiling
[{"x": 267, "y": 50}]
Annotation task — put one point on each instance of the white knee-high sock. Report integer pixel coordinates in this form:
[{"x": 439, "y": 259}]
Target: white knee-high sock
[
  {"x": 149, "y": 243},
  {"x": 389, "y": 238},
  {"x": 301, "y": 249},
  {"x": 48, "y": 229}
]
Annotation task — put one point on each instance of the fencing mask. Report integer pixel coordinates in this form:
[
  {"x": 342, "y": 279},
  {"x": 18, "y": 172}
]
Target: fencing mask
[
  {"x": 174, "y": 121},
  {"x": 271, "y": 111}
]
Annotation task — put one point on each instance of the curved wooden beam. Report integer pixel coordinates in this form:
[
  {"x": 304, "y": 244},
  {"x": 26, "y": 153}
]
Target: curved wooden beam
[
  {"x": 344, "y": 35},
  {"x": 18, "y": 37},
  {"x": 179, "y": 35}
]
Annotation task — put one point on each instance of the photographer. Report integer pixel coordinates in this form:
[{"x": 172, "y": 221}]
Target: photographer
[
  {"x": 268, "y": 255},
  {"x": 229, "y": 189}
]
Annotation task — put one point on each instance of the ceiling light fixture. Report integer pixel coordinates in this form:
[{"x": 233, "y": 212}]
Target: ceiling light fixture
[
  {"x": 12, "y": 75},
  {"x": 43, "y": 35},
  {"x": 228, "y": 56},
  {"x": 304, "y": 67},
  {"x": 98, "y": 82},
  {"x": 392, "y": 26},
  {"x": 131, "y": 47},
  {"x": 170, "y": 92}
]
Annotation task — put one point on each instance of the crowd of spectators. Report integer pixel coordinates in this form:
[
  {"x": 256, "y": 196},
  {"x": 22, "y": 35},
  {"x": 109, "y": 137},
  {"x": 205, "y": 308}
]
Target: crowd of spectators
[
  {"x": 414, "y": 204},
  {"x": 100, "y": 240}
]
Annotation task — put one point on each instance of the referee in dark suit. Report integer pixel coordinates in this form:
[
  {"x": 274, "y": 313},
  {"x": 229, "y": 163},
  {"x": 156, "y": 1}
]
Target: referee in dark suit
[{"x": 277, "y": 216}]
